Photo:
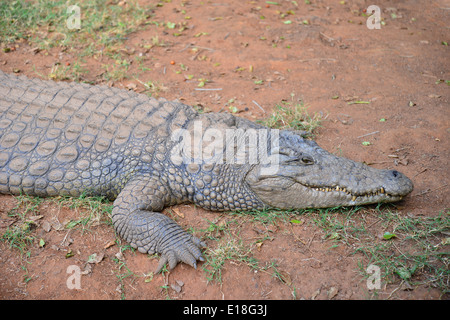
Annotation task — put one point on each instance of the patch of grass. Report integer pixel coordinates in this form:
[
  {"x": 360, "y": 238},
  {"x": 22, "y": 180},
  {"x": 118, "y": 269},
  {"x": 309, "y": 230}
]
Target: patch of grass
[
  {"x": 339, "y": 224},
  {"x": 43, "y": 22},
  {"x": 19, "y": 234},
  {"x": 94, "y": 210},
  {"x": 268, "y": 216},
  {"x": 153, "y": 88},
  {"x": 228, "y": 248},
  {"x": 73, "y": 72},
  {"x": 25, "y": 205},
  {"x": 418, "y": 255},
  {"x": 104, "y": 27},
  {"x": 289, "y": 115}
]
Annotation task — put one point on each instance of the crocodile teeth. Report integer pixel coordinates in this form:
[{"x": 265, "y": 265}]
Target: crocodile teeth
[{"x": 337, "y": 188}]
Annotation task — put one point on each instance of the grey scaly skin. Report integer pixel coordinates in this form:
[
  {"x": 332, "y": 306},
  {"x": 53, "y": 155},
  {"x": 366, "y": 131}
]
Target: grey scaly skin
[{"x": 72, "y": 139}]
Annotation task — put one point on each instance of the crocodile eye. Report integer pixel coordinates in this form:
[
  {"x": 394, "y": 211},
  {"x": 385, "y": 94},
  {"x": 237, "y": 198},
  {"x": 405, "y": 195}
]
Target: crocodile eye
[{"x": 307, "y": 159}]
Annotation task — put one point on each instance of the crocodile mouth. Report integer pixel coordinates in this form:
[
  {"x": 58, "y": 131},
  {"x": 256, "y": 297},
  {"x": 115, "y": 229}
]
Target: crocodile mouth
[{"x": 379, "y": 194}]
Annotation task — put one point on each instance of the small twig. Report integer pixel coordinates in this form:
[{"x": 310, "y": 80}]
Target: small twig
[
  {"x": 208, "y": 89},
  {"x": 420, "y": 172},
  {"x": 401, "y": 149},
  {"x": 328, "y": 37},
  {"x": 367, "y": 134},
  {"x": 320, "y": 59},
  {"x": 395, "y": 290},
  {"x": 381, "y": 162},
  {"x": 257, "y": 104},
  {"x": 194, "y": 46},
  {"x": 65, "y": 238},
  {"x": 374, "y": 223},
  {"x": 428, "y": 191}
]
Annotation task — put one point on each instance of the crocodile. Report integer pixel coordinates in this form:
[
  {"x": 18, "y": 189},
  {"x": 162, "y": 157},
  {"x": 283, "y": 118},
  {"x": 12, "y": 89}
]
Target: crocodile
[{"x": 145, "y": 154}]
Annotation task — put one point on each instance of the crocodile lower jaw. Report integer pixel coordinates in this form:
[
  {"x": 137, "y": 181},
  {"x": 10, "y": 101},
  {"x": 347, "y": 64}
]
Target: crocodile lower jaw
[{"x": 353, "y": 199}]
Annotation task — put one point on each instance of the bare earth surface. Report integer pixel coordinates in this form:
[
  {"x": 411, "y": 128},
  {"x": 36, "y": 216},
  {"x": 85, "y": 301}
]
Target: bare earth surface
[{"x": 327, "y": 58}]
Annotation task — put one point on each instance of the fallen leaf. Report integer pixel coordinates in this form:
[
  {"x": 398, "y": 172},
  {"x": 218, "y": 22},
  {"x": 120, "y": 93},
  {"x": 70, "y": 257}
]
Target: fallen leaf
[
  {"x": 176, "y": 287},
  {"x": 332, "y": 292},
  {"x": 69, "y": 254},
  {"x": 96, "y": 258},
  {"x": 4, "y": 223},
  {"x": 149, "y": 277},
  {"x": 178, "y": 212},
  {"x": 131, "y": 86},
  {"x": 109, "y": 244},
  {"x": 315, "y": 294},
  {"x": 387, "y": 235},
  {"x": 403, "y": 273},
  {"x": 35, "y": 218},
  {"x": 46, "y": 226},
  {"x": 179, "y": 282},
  {"x": 87, "y": 269},
  {"x": 285, "y": 277},
  {"x": 41, "y": 243},
  {"x": 119, "y": 255},
  {"x": 445, "y": 241},
  {"x": 334, "y": 236},
  {"x": 259, "y": 245}
]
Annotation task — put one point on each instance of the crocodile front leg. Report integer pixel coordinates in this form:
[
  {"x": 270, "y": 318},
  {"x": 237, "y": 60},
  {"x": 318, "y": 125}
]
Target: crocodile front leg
[{"x": 136, "y": 219}]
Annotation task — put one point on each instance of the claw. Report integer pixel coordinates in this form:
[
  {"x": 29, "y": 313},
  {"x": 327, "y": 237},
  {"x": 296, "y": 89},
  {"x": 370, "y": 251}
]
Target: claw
[
  {"x": 187, "y": 252},
  {"x": 161, "y": 264}
]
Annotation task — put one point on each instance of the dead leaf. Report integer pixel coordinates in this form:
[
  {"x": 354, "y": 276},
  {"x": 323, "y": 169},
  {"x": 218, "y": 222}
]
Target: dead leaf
[
  {"x": 69, "y": 253},
  {"x": 35, "y": 50},
  {"x": 35, "y": 218},
  {"x": 178, "y": 212},
  {"x": 131, "y": 86},
  {"x": 46, "y": 226},
  {"x": 87, "y": 269},
  {"x": 4, "y": 223},
  {"x": 179, "y": 282},
  {"x": 56, "y": 224},
  {"x": 285, "y": 277},
  {"x": 109, "y": 244},
  {"x": 176, "y": 287},
  {"x": 119, "y": 255},
  {"x": 315, "y": 294},
  {"x": 96, "y": 258},
  {"x": 332, "y": 292}
]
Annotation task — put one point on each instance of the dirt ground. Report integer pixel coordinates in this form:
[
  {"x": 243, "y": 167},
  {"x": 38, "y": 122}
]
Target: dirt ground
[{"x": 248, "y": 51}]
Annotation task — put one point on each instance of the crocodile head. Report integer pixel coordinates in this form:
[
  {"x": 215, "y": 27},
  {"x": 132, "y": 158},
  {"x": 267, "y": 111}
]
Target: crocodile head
[{"x": 307, "y": 176}]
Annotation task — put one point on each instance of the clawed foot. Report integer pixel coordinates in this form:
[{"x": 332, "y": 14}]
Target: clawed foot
[{"x": 185, "y": 250}]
